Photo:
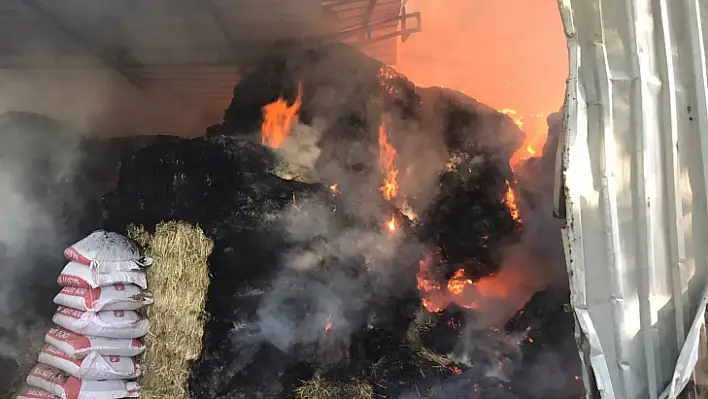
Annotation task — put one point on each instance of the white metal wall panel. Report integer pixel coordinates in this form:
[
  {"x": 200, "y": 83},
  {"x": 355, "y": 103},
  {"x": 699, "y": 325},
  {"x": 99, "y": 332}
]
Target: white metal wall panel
[{"x": 634, "y": 175}]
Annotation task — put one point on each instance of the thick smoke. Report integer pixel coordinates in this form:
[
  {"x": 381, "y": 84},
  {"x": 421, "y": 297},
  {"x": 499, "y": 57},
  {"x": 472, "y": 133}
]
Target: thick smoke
[
  {"x": 334, "y": 271},
  {"x": 332, "y": 282},
  {"x": 100, "y": 100},
  {"x": 38, "y": 159},
  {"x": 535, "y": 263},
  {"x": 343, "y": 256}
]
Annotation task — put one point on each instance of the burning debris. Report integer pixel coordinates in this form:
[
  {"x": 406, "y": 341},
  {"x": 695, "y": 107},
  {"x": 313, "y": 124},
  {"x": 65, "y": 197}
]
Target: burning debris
[{"x": 368, "y": 235}]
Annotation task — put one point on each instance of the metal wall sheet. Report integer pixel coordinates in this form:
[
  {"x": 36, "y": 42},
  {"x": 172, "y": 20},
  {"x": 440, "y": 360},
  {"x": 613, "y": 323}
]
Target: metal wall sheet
[{"x": 634, "y": 161}]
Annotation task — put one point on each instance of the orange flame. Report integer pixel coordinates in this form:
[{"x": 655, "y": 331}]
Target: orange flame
[
  {"x": 433, "y": 296},
  {"x": 391, "y": 224},
  {"x": 510, "y": 112},
  {"x": 535, "y": 138},
  {"x": 278, "y": 119},
  {"x": 466, "y": 293},
  {"x": 387, "y": 160},
  {"x": 510, "y": 200}
]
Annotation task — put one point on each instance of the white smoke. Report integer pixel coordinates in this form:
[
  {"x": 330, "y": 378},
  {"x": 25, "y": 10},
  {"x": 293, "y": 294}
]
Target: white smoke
[{"x": 37, "y": 160}]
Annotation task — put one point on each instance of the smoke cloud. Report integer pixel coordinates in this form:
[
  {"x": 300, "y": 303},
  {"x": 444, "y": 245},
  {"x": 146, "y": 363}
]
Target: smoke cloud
[
  {"x": 335, "y": 270},
  {"x": 327, "y": 288},
  {"x": 38, "y": 158}
]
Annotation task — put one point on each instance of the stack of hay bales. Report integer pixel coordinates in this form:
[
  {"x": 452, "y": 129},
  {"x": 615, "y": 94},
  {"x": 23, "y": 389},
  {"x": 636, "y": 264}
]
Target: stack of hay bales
[{"x": 90, "y": 353}]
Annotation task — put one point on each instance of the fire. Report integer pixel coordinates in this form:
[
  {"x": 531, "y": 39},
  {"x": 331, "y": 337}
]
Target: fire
[
  {"x": 391, "y": 224},
  {"x": 389, "y": 189},
  {"x": 510, "y": 200},
  {"x": 387, "y": 161},
  {"x": 510, "y": 112},
  {"x": 457, "y": 283},
  {"x": 278, "y": 119},
  {"x": 536, "y": 135},
  {"x": 334, "y": 188},
  {"x": 509, "y": 286},
  {"x": 432, "y": 293},
  {"x": 531, "y": 87},
  {"x": 328, "y": 325}
]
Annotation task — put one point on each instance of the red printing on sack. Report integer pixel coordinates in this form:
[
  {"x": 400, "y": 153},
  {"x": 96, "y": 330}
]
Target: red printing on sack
[
  {"x": 74, "y": 256},
  {"x": 72, "y": 281}
]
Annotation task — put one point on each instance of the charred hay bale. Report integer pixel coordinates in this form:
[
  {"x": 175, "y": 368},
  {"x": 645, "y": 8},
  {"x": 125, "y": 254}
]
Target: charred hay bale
[
  {"x": 347, "y": 90},
  {"x": 435, "y": 132},
  {"x": 457, "y": 151},
  {"x": 334, "y": 78},
  {"x": 224, "y": 186}
]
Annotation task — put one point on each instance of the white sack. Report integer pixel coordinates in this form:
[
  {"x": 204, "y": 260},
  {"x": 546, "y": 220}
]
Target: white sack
[
  {"x": 65, "y": 386},
  {"x": 112, "y": 297},
  {"x": 77, "y": 275},
  {"x": 111, "y": 324},
  {"x": 106, "y": 252},
  {"x": 80, "y": 346},
  {"x": 35, "y": 393},
  {"x": 93, "y": 367}
]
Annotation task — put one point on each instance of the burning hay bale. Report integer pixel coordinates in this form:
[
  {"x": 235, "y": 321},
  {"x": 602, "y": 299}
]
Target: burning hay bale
[
  {"x": 179, "y": 280},
  {"x": 318, "y": 267}
]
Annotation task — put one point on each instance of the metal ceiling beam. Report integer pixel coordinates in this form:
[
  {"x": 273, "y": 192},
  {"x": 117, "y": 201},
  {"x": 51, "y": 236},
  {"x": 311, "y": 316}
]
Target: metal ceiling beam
[
  {"x": 367, "y": 19},
  {"x": 371, "y": 28},
  {"x": 364, "y": 29},
  {"x": 79, "y": 39},
  {"x": 404, "y": 23}
]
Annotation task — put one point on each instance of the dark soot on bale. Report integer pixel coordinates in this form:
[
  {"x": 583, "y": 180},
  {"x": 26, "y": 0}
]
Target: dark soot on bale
[{"x": 302, "y": 282}]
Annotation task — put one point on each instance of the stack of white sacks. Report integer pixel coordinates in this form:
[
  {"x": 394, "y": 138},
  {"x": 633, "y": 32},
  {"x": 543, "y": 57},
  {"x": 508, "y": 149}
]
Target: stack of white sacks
[{"x": 89, "y": 353}]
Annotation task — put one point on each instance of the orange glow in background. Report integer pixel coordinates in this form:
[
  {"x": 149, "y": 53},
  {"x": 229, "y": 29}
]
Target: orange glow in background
[{"x": 508, "y": 54}]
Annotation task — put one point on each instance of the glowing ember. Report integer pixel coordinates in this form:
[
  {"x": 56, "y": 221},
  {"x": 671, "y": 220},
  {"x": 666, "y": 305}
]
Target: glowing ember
[
  {"x": 510, "y": 200},
  {"x": 334, "y": 188},
  {"x": 458, "y": 283},
  {"x": 386, "y": 79},
  {"x": 408, "y": 212},
  {"x": 536, "y": 135},
  {"x": 278, "y": 119},
  {"x": 387, "y": 160},
  {"x": 466, "y": 293},
  {"x": 432, "y": 293},
  {"x": 510, "y": 112},
  {"x": 455, "y": 370},
  {"x": 391, "y": 224},
  {"x": 328, "y": 325}
]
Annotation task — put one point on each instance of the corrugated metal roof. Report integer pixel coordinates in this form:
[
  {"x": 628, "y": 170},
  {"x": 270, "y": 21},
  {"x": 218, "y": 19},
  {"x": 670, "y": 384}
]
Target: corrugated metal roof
[
  {"x": 187, "y": 49},
  {"x": 129, "y": 33},
  {"x": 635, "y": 179}
]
